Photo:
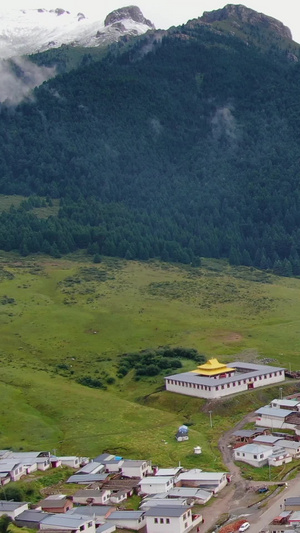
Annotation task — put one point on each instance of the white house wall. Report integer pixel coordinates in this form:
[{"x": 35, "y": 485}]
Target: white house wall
[
  {"x": 216, "y": 391},
  {"x": 175, "y": 525}
]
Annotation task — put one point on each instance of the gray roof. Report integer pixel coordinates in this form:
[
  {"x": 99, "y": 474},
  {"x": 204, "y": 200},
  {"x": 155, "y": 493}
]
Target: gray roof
[
  {"x": 289, "y": 444},
  {"x": 131, "y": 462},
  {"x": 167, "y": 511},
  {"x": 125, "y": 515},
  {"x": 254, "y": 448},
  {"x": 86, "y": 478},
  {"x": 197, "y": 474},
  {"x": 295, "y": 500},
  {"x": 155, "y": 480},
  {"x": 103, "y": 457},
  {"x": 245, "y": 371},
  {"x": 64, "y": 520},
  {"x": 273, "y": 411},
  {"x": 168, "y": 471},
  {"x": 166, "y": 502},
  {"x": 189, "y": 492},
  {"x": 87, "y": 469},
  {"x": 248, "y": 432},
  {"x": 10, "y": 506},
  {"x": 286, "y": 401},
  {"x": 266, "y": 438},
  {"x": 31, "y": 516}
]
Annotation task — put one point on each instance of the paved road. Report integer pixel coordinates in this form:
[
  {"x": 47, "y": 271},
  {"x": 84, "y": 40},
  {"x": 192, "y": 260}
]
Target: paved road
[
  {"x": 261, "y": 519},
  {"x": 235, "y": 498}
]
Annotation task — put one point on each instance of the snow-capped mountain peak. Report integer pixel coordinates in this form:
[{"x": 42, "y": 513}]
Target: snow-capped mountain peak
[{"x": 27, "y": 31}]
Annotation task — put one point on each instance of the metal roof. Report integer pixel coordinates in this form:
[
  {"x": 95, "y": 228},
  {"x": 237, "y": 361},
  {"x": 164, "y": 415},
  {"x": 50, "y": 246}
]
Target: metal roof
[
  {"x": 201, "y": 476},
  {"x": 273, "y": 411},
  {"x": 31, "y": 516},
  {"x": 291, "y": 403},
  {"x": 294, "y": 500},
  {"x": 86, "y": 478},
  {"x": 131, "y": 462},
  {"x": 289, "y": 444},
  {"x": 175, "y": 511},
  {"x": 245, "y": 371},
  {"x": 125, "y": 515},
  {"x": 166, "y": 502},
  {"x": 90, "y": 467},
  {"x": 155, "y": 480},
  {"x": 10, "y": 506},
  {"x": 267, "y": 438},
  {"x": 168, "y": 471},
  {"x": 189, "y": 492},
  {"x": 254, "y": 448},
  {"x": 65, "y": 520}
]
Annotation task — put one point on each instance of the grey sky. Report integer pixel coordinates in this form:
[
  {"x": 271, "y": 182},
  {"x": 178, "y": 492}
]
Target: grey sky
[{"x": 166, "y": 13}]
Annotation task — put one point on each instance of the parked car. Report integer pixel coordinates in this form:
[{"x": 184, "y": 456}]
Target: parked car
[
  {"x": 262, "y": 490},
  {"x": 244, "y": 527}
]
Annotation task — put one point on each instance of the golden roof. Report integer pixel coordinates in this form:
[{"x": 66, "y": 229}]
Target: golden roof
[{"x": 212, "y": 368}]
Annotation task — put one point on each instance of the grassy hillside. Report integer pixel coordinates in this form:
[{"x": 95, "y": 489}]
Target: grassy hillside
[{"x": 67, "y": 318}]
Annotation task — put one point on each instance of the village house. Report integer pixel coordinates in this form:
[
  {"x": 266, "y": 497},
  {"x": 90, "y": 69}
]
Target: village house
[
  {"x": 71, "y": 460},
  {"x": 279, "y": 456},
  {"x": 285, "y": 403},
  {"x": 172, "y": 520},
  {"x": 118, "y": 497},
  {"x": 133, "y": 520},
  {"x": 292, "y": 447},
  {"x": 91, "y": 497},
  {"x": 97, "y": 513},
  {"x": 31, "y": 518},
  {"x": 247, "y": 435},
  {"x": 137, "y": 469},
  {"x": 11, "y": 471},
  {"x": 156, "y": 484},
  {"x": 210, "y": 481},
  {"x": 12, "y": 509},
  {"x": 57, "y": 503},
  {"x": 292, "y": 504},
  {"x": 273, "y": 418},
  {"x": 147, "y": 503},
  {"x": 70, "y": 523},
  {"x": 253, "y": 454},
  {"x": 215, "y": 379}
]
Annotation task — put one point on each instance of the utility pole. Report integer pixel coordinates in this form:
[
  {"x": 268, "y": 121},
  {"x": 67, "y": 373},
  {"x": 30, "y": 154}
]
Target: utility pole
[
  {"x": 210, "y": 419},
  {"x": 280, "y": 388}
]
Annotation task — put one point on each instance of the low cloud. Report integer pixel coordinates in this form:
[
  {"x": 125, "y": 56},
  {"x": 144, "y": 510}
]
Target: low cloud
[
  {"x": 18, "y": 77},
  {"x": 224, "y": 125}
]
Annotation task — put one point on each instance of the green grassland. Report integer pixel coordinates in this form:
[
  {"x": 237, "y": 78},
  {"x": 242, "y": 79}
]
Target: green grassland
[{"x": 67, "y": 318}]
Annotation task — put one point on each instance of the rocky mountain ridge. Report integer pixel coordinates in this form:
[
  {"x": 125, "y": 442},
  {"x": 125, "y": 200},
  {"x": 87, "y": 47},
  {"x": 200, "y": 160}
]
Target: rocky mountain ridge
[{"x": 243, "y": 15}]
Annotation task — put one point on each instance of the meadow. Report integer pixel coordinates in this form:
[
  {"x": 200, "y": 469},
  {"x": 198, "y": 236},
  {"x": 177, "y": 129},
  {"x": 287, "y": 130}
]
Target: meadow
[{"x": 62, "y": 319}]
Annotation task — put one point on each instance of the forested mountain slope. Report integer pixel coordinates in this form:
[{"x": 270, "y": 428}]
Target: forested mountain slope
[{"x": 183, "y": 145}]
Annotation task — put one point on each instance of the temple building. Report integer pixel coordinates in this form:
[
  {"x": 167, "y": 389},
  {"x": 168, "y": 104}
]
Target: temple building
[{"x": 215, "y": 380}]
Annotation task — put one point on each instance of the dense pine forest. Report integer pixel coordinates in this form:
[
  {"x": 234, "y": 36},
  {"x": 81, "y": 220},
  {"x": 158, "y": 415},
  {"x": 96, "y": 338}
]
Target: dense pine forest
[{"x": 178, "y": 146}]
